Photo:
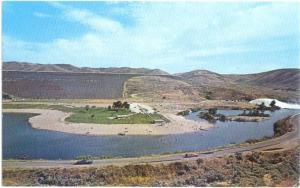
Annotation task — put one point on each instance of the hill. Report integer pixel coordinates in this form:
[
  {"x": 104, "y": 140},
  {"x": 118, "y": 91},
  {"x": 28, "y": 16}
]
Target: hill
[
  {"x": 160, "y": 88},
  {"x": 66, "y": 81},
  {"x": 288, "y": 79},
  {"x": 282, "y": 84},
  {"x": 30, "y": 67},
  {"x": 277, "y": 79}
]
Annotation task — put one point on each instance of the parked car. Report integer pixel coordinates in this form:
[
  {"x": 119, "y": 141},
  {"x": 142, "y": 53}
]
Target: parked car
[
  {"x": 190, "y": 155},
  {"x": 83, "y": 162}
]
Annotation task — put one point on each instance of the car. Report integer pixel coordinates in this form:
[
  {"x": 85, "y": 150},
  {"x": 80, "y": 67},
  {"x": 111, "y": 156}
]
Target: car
[
  {"x": 190, "y": 155},
  {"x": 83, "y": 162}
]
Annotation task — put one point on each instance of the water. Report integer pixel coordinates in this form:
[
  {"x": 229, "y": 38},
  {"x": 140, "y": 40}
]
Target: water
[{"x": 19, "y": 139}]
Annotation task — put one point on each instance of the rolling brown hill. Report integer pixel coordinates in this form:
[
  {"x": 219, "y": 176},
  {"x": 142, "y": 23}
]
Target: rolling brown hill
[
  {"x": 160, "y": 88},
  {"x": 277, "y": 79},
  {"x": 281, "y": 83},
  {"x": 20, "y": 78},
  {"x": 31, "y": 67},
  {"x": 288, "y": 79}
]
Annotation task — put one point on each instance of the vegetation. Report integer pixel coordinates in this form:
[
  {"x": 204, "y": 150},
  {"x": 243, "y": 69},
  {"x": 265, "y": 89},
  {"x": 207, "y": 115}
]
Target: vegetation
[
  {"x": 242, "y": 169},
  {"x": 282, "y": 126},
  {"x": 252, "y": 141},
  {"x": 89, "y": 114},
  {"x": 208, "y": 95},
  {"x": 38, "y": 106},
  {"x": 254, "y": 113},
  {"x": 119, "y": 104},
  {"x": 183, "y": 113},
  {"x": 106, "y": 116},
  {"x": 196, "y": 109},
  {"x": 6, "y": 96},
  {"x": 212, "y": 116},
  {"x": 262, "y": 107}
]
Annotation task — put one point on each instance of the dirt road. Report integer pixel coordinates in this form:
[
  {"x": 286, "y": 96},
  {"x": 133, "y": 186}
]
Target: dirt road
[{"x": 286, "y": 141}]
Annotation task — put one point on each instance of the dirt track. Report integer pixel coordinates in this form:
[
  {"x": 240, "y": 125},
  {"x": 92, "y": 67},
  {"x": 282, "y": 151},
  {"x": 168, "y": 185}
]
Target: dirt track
[{"x": 286, "y": 141}]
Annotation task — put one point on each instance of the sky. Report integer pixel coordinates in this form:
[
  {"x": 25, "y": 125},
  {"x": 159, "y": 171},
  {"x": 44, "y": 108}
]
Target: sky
[{"x": 175, "y": 37}]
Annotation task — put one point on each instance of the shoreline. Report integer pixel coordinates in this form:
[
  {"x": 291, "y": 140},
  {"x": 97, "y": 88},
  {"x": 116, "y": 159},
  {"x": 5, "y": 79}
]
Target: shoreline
[
  {"x": 281, "y": 143},
  {"x": 54, "y": 120}
]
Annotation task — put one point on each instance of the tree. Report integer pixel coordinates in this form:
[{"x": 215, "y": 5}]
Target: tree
[
  {"x": 117, "y": 104},
  {"x": 244, "y": 113},
  {"x": 126, "y": 105},
  {"x": 272, "y": 104},
  {"x": 212, "y": 111},
  {"x": 262, "y": 106}
]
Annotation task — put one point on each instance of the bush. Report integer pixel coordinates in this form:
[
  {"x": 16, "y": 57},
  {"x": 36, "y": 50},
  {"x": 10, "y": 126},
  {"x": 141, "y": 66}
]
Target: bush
[
  {"x": 212, "y": 111},
  {"x": 281, "y": 127},
  {"x": 117, "y": 104},
  {"x": 207, "y": 97},
  {"x": 255, "y": 112},
  {"x": 222, "y": 118},
  {"x": 207, "y": 116},
  {"x": 183, "y": 113},
  {"x": 126, "y": 105}
]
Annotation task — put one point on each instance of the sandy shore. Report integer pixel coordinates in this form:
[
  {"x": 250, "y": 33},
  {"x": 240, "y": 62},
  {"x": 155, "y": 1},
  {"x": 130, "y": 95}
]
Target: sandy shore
[{"x": 54, "y": 120}]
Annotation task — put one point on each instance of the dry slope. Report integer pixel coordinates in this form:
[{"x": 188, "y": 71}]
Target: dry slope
[{"x": 157, "y": 88}]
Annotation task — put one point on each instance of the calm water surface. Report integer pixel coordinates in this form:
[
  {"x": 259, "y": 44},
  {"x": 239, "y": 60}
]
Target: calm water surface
[{"x": 19, "y": 139}]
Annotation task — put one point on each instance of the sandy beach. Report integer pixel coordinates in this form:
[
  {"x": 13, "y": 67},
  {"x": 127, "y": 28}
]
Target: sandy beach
[{"x": 54, "y": 120}]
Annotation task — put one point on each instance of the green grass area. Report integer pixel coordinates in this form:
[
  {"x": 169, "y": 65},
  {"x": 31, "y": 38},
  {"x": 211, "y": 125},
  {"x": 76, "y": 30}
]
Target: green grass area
[
  {"x": 38, "y": 106},
  {"x": 101, "y": 116},
  {"x": 92, "y": 115}
]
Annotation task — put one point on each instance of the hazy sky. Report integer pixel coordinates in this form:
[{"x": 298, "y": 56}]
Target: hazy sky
[{"x": 175, "y": 37}]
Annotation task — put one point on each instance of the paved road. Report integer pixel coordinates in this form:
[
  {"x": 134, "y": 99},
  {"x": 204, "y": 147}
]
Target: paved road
[{"x": 288, "y": 140}]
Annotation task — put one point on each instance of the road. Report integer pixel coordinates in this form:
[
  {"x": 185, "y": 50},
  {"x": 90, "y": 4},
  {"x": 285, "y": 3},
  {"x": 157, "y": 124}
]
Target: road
[{"x": 290, "y": 139}]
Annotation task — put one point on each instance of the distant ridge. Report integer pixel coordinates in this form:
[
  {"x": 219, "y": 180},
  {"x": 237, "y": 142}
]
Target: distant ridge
[
  {"x": 30, "y": 80},
  {"x": 277, "y": 79},
  {"x": 31, "y": 67}
]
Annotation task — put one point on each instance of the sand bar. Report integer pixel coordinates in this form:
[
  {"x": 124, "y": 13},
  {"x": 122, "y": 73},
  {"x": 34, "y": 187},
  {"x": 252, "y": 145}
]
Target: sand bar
[{"x": 55, "y": 120}]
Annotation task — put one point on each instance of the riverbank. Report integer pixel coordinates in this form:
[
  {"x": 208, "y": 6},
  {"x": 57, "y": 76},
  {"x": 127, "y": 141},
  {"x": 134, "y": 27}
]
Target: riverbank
[
  {"x": 260, "y": 168},
  {"x": 55, "y": 120}
]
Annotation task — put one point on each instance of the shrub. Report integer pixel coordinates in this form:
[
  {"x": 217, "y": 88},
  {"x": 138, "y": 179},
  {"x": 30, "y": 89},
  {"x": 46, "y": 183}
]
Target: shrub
[
  {"x": 222, "y": 118},
  {"x": 207, "y": 116},
  {"x": 207, "y": 97},
  {"x": 126, "y": 105},
  {"x": 281, "y": 127},
  {"x": 183, "y": 113},
  {"x": 117, "y": 104},
  {"x": 212, "y": 111}
]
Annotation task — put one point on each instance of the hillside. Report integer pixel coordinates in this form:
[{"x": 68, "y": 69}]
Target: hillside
[
  {"x": 30, "y": 67},
  {"x": 142, "y": 83},
  {"x": 159, "y": 88},
  {"x": 288, "y": 79},
  {"x": 204, "y": 78},
  {"x": 277, "y": 79},
  {"x": 282, "y": 84}
]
